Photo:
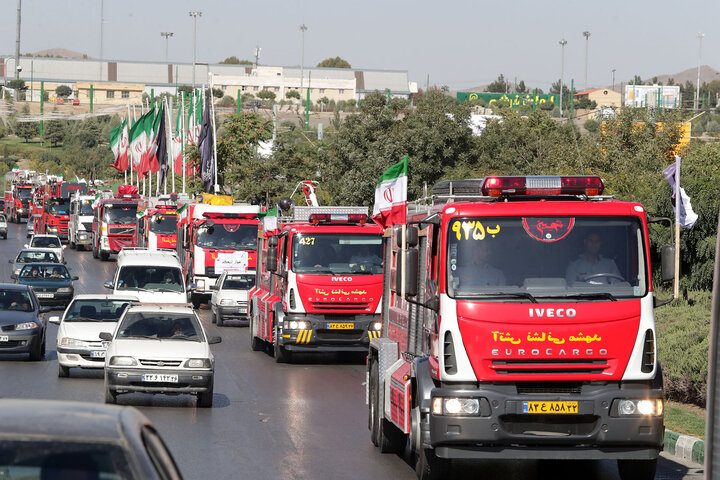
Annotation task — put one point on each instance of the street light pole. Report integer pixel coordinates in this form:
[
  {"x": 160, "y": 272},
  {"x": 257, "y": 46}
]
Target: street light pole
[
  {"x": 613, "y": 72},
  {"x": 303, "y": 28},
  {"x": 697, "y": 90},
  {"x": 194, "y": 14},
  {"x": 166, "y": 35},
  {"x": 17, "y": 41},
  {"x": 587, "y": 43},
  {"x": 562, "y": 43}
]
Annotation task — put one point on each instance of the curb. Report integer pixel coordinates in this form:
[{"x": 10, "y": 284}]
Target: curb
[{"x": 684, "y": 446}]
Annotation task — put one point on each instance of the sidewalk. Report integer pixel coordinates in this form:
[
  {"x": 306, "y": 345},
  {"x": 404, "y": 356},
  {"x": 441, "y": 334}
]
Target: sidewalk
[{"x": 684, "y": 446}]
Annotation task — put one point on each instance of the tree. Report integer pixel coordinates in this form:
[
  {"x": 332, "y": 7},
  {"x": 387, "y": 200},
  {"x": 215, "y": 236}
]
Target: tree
[
  {"x": 87, "y": 134},
  {"x": 233, "y": 60},
  {"x": 266, "y": 95},
  {"x": 521, "y": 88},
  {"x": 54, "y": 131},
  {"x": 187, "y": 89},
  {"x": 19, "y": 86},
  {"x": 25, "y": 130},
  {"x": 63, "y": 91},
  {"x": 555, "y": 89},
  {"x": 336, "y": 62},
  {"x": 292, "y": 94},
  {"x": 324, "y": 101},
  {"x": 499, "y": 85}
]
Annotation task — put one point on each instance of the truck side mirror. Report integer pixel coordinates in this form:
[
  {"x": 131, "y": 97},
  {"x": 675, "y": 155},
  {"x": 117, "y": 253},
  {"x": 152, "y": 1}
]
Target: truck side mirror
[
  {"x": 271, "y": 261},
  {"x": 272, "y": 242},
  {"x": 667, "y": 263},
  {"x": 410, "y": 265},
  {"x": 411, "y": 236}
]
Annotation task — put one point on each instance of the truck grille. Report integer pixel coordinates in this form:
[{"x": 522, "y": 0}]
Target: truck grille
[
  {"x": 549, "y": 388},
  {"x": 340, "y": 305},
  {"x": 121, "y": 230},
  {"x": 160, "y": 363},
  {"x": 549, "y": 367}
]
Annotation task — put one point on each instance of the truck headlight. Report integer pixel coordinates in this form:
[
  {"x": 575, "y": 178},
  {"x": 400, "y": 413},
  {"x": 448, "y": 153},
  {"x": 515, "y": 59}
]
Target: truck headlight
[
  {"x": 631, "y": 407},
  {"x": 456, "y": 406},
  {"x": 296, "y": 325},
  {"x": 123, "y": 361},
  {"x": 198, "y": 363},
  {"x": 377, "y": 326}
]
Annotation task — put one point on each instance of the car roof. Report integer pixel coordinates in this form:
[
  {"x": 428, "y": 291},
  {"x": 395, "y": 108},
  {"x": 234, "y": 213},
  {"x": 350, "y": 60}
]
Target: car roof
[
  {"x": 13, "y": 286},
  {"x": 160, "y": 307},
  {"x": 31, "y": 419},
  {"x": 40, "y": 235},
  {"x": 99, "y": 296},
  {"x": 148, "y": 258},
  {"x": 37, "y": 249}
]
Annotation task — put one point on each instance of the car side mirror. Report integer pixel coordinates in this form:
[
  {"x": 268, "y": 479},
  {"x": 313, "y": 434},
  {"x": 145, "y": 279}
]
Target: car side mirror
[
  {"x": 45, "y": 309},
  {"x": 13, "y": 276},
  {"x": 108, "y": 285},
  {"x": 54, "y": 319},
  {"x": 75, "y": 277},
  {"x": 11, "y": 261},
  {"x": 213, "y": 340},
  {"x": 106, "y": 336},
  {"x": 25, "y": 246}
]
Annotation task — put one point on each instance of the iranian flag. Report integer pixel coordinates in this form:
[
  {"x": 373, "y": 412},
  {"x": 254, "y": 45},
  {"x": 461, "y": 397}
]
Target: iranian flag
[
  {"x": 119, "y": 146},
  {"x": 391, "y": 196},
  {"x": 195, "y": 120},
  {"x": 177, "y": 147},
  {"x": 138, "y": 140},
  {"x": 152, "y": 134}
]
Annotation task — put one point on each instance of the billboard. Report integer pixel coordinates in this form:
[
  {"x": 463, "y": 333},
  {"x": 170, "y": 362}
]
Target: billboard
[
  {"x": 514, "y": 99},
  {"x": 662, "y": 96}
]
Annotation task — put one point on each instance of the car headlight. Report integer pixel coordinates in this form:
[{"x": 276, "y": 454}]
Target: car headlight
[
  {"x": 73, "y": 342},
  {"x": 198, "y": 363},
  {"x": 456, "y": 406},
  {"x": 64, "y": 290},
  {"x": 631, "y": 407},
  {"x": 123, "y": 361},
  {"x": 26, "y": 326},
  {"x": 227, "y": 301}
]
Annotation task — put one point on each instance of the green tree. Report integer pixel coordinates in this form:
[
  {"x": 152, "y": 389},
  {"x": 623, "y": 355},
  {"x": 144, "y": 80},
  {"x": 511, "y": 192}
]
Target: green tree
[
  {"x": 63, "y": 91},
  {"x": 266, "y": 95},
  {"x": 87, "y": 134},
  {"x": 521, "y": 88},
  {"x": 592, "y": 126},
  {"x": 292, "y": 94},
  {"x": 54, "y": 131},
  {"x": 323, "y": 102},
  {"x": 19, "y": 85},
  {"x": 555, "y": 89},
  {"x": 498, "y": 86},
  {"x": 336, "y": 62},
  {"x": 24, "y": 129},
  {"x": 233, "y": 60}
]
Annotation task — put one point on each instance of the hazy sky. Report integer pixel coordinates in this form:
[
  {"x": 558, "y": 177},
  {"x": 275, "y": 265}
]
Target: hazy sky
[{"x": 458, "y": 43}]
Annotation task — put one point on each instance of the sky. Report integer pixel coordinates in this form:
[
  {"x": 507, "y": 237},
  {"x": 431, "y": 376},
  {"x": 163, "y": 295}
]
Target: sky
[{"x": 461, "y": 44}]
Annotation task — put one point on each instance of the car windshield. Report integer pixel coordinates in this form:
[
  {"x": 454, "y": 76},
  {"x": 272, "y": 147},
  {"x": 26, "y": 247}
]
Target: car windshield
[
  {"x": 335, "y": 253},
  {"x": 45, "y": 272},
  {"x": 163, "y": 223},
  {"x": 16, "y": 300},
  {"x": 95, "y": 310},
  {"x": 45, "y": 242},
  {"x": 160, "y": 325},
  {"x": 536, "y": 258},
  {"x": 59, "y": 459},
  {"x": 230, "y": 236},
  {"x": 85, "y": 207},
  {"x": 59, "y": 206},
  {"x": 35, "y": 256},
  {"x": 134, "y": 277},
  {"x": 125, "y": 214},
  {"x": 238, "y": 282}
]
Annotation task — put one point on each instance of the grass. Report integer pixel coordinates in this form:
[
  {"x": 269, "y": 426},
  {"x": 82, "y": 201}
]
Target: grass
[{"x": 683, "y": 419}]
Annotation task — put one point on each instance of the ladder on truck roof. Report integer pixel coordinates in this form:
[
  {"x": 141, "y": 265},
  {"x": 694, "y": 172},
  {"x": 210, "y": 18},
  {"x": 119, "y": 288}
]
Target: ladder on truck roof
[{"x": 302, "y": 214}]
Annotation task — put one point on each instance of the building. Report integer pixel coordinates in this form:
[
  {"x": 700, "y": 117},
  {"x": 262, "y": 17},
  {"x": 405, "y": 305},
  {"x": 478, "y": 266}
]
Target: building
[{"x": 603, "y": 97}]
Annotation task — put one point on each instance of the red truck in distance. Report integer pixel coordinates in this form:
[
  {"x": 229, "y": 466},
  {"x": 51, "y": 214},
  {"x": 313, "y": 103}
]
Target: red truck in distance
[
  {"x": 52, "y": 208},
  {"x": 115, "y": 222},
  {"x": 157, "y": 228}
]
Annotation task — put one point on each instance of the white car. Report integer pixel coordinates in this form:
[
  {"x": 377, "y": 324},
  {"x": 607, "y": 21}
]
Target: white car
[
  {"x": 160, "y": 349},
  {"x": 48, "y": 241},
  {"x": 229, "y": 298},
  {"x": 78, "y": 336},
  {"x": 3, "y": 226},
  {"x": 153, "y": 276}
]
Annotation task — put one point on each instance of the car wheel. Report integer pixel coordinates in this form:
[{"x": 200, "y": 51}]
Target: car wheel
[
  {"x": 219, "y": 320},
  {"x": 104, "y": 256},
  {"x": 43, "y": 348},
  {"x": 281, "y": 354},
  {"x": 63, "y": 372},
  {"x": 36, "y": 353},
  {"x": 110, "y": 394},
  {"x": 213, "y": 318},
  {"x": 205, "y": 399}
]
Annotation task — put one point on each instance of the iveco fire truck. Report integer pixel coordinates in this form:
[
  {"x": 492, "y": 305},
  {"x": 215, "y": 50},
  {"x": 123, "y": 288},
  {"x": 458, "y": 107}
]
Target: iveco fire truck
[
  {"x": 157, "y": 228},
  {"x": 17, "y": 198},
  {"x": 213, "y": 238},
  {"x": 53, "y": 207},
  {"x": 81, "y": 219},
  {"x": 115, "y": 221},
  {"x": 319, "y": 284},
  {"x": 518, "y": 323}
]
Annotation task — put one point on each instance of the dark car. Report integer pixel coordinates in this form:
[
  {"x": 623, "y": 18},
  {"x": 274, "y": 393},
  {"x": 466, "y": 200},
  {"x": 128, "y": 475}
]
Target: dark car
[
  {"x": 43, "y": 439},
  {"x": 22, "y": 328},
  {"x": 52, "y": 282}
]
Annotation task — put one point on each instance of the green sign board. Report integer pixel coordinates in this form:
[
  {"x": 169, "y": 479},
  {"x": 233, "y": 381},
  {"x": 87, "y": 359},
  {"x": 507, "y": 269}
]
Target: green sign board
[{"x": 514, "y": 99}]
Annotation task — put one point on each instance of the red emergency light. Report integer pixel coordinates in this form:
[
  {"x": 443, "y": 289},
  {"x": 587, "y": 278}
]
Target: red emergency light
[
  {"x": 358, "y": 218},
  {"x": 229, "y": 215},
  {"x": 589, "y": 185}
]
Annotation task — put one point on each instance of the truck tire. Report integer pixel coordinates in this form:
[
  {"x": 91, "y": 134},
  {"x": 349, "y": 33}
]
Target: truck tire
[
  {"x": 637, "y": 469},
  {"x": 94, "y": 251},
  {"x": 255, "y": 343},
  {"x": 386, "y": 435},
  {"x": 73, "y": 246},
  {"x": 373, "y": 417},
  {"x": 104, "y": 256},
  {"x": 280, "y": 353},
  {"x": 458, "y": 187},
  {"x": 431, "y": 467}
]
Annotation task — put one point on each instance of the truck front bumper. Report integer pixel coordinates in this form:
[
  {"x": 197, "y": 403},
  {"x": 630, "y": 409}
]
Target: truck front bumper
[
  {"x": 502, "y": 430},
  {"x": 328, "y": 333}
]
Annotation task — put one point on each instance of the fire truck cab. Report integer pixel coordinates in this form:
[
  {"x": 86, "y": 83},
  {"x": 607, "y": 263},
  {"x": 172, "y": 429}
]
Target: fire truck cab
[
  {"x": 18, "y": 204},
  {"x": 115, "y": 221},
  {"x": 157, "y": 228},
  {"x": 81, "y": 219},
  {"x": 319, "y": 282},
  {"x": 52, "y": 207},
  {"x": 517, "y": 322}
]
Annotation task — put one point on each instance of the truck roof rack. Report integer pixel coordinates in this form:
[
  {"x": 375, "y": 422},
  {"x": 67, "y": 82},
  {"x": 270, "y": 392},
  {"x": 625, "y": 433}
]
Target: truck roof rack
[{"x": 302, "y": 214}]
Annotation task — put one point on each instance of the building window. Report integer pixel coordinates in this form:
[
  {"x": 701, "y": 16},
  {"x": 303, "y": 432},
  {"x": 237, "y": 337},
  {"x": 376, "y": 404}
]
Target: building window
[
  {"x": 224, "y": 88},
  {"x": 125, "y": 94},
  {"x": 256, "y": 88},
  {"x": 110, "y": 94},
  {"x": 341, "y": 91},
  {"x": 277, "y": 89},
  {"x": 322, "y": 90}
]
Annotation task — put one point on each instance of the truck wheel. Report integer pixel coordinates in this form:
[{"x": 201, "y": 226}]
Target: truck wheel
[
  {"x": 637, "y": 469},
  {"x": 387, "y": 436},
  {"x": 372, "y": 407},
  {"x": 104, "y": 256},
  {"x": 255, "y": 343},
  {"x": 94, "y": 250},
  {"x": 431, "y": 467},
  {"x": 72, "y": 245},
  {"x": 281, "y": 354}
]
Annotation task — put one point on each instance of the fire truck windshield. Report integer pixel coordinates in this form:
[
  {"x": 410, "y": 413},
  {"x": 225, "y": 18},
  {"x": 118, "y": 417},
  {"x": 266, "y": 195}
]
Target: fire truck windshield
[
  {"x": 537, "y": 258},
  {"x": 59, "y": 206},
  {"x": 231, "y": 236},
  {"x": 164, "y": 224},
  {"x": 86, "y": 207},
  {"x": 24, "y": 193},
  {"x": 120, "y": 214},
  {"x": 337, "y": 253}
]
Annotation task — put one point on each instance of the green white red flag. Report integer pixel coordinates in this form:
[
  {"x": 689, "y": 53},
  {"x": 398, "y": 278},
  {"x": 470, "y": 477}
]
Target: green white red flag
[
  {"x": 139, "y": 141},
  {"x": 391, "y": 196},
  {"x": 119, "y": 146}
]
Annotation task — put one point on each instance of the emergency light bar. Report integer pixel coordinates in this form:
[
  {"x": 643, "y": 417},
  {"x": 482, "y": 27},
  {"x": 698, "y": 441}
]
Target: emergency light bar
[
  {"x": 229, "y": 215},
  {"x": 358, "y": 218},
  {"x": 543, "y": 185}
]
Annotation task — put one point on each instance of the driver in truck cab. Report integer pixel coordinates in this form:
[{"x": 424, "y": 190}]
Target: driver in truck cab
[
  {"x": 478, "y": 271},
  {"x": 590, "y": 266}
]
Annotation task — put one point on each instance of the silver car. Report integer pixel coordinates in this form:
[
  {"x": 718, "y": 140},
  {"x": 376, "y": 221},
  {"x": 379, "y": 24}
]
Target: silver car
[{"x": 3, "y": 226}]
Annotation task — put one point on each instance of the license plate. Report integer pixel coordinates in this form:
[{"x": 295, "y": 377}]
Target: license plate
[
  {"x": 550, "y": 407},
  {"x": 4, "y": 338},
  {"x": 242, "y": 310},
  {"x": 97, "y": 353},
  {"x": 44, "y": 295},
  {"x": 159, "y": 377},
  {"x": 340, "y": 326}
]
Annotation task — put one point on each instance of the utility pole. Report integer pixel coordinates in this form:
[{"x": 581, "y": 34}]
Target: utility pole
[
  {"x": 587, "y": 43},
  {"x": 697, "y": 90},
  {"x": 17, "y": 42},
  {"x": 613, "y": 84},
  {"x": 194, "y": 14},
  {"x": 257, "y": 54},
  {"x": 562, "y": 43},
  {"x": 102, "y": 22},
  {"x": 166, "y": 35},
  {"x": 303, "y": 29}
]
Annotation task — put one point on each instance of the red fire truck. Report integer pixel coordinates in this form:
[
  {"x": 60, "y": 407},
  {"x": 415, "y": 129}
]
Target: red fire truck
[
  {"x": 213, "y": 238},
  {"x": 51, "y": 211},
  {"x": 115, "y": 221},
  {"x": 157, "y": 228},
  {"x": 319, "y": 284},
  {"x": 518, "y": 323},
  {"x": 18, "y": 200}
]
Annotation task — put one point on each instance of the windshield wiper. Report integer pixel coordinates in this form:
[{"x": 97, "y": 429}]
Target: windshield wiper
[
  {"x": 525, "y": 295},
  {"x": 150, "y": 337},
  {"x": 589, "y": 296}
]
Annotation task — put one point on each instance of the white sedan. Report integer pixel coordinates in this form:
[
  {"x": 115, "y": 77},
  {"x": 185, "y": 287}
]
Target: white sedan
[
  {"x": 229, "y": 298},
  {"x": 78, "y": 337},
  {"x": 48, "y": 241},
  {"x": 160, "y": 349}
]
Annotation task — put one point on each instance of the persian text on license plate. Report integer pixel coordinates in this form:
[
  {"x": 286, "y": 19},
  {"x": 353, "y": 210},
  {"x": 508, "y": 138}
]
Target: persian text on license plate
[
  {"x": 4, "y": 338},
  {"x": 160, "y": 378},
  {"x": 340, "y": 326},
  {"x": 44, "y": 295},
  {"x": 97, "y": 353},
  {"x": 550, "y": 407}
]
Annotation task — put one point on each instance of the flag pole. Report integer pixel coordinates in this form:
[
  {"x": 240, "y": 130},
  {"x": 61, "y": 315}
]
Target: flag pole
[
  {"x": 676, "y": 290},
  {"x": 129, "y": 155},
  {"x": 171, "y": 133},
  {"x": 212, "y": 119},
  {"x": 168, "y": 145},
  {"x": 182, "y": 138}
]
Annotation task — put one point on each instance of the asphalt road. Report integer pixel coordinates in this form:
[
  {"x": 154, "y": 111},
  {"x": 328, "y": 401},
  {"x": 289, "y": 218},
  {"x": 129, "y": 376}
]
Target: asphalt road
[{"x": 307, "y": 420}]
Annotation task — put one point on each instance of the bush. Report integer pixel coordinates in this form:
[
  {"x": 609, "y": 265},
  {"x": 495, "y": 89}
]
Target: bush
[
  {"x": 548, "y": 106},
  {"x": 227, "y": 102},
  {"x": 591, "y": 125}
]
